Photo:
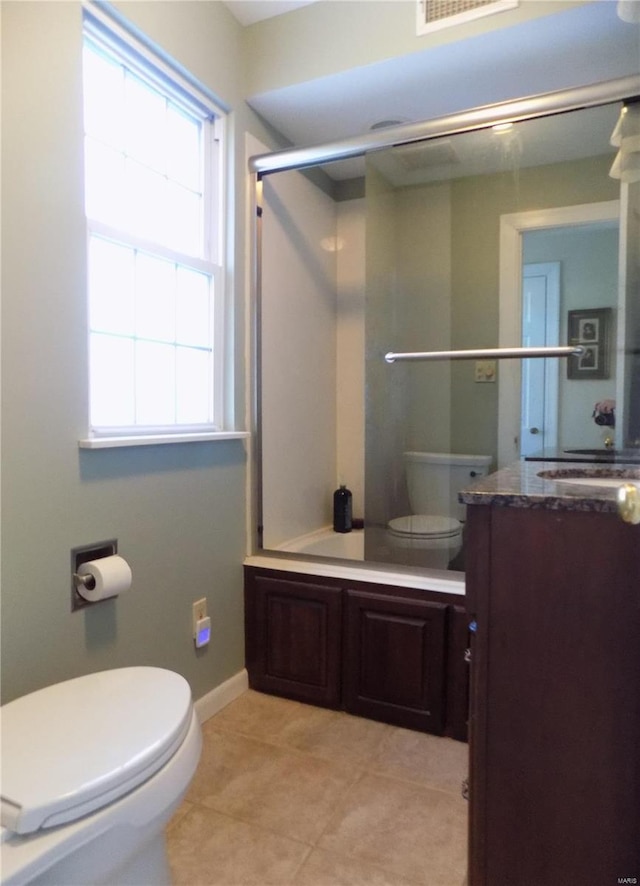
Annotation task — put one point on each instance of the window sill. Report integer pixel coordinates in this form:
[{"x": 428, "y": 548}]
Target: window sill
[{"x": 159, "y": 439}]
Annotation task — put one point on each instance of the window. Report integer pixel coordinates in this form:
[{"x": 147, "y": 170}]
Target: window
[{"x": 152, "y": 197}]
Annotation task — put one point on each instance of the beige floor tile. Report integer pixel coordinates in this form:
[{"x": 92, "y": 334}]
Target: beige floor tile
[
  {"x": 425, "y": 759},
  {"x": 288, "y": 792},
  {"x": 380, "y": 805},
  {"x": 209, "y": 849},
  {"x": 267, "y": 717},
  {"x": 341, "y": 737},
  {"x": 415, "y": 832},
  {"x": 180, "y": 812},
  {"x": 328, "y": 869},
  {"x": 319, "y": 731}
]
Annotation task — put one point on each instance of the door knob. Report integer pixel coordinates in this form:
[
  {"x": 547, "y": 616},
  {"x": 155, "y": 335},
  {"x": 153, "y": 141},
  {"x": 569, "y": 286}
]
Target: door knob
[
  {"x": 534, "y": 430},
  {"x": 629, "y": 503}
]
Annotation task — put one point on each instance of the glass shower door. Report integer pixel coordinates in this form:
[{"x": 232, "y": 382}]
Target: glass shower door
[
  {"x": 404, "y": 250},
  {"x": 408, "y": 308}
]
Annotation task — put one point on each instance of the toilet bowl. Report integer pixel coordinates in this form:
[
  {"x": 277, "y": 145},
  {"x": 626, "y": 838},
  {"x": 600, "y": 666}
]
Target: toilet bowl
[
  {"x": 435, "y": 525},
  {"x": 93, "y": 769},
  {"x": 426, "y": 539}
]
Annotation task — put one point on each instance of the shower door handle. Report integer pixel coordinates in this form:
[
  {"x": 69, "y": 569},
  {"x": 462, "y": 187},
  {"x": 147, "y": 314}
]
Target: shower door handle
[{"x": 487, "y": 354}]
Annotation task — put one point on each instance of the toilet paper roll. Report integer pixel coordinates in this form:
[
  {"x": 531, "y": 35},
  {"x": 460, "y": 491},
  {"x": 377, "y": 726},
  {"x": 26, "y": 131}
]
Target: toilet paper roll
[{"x": 111, "y": 576}]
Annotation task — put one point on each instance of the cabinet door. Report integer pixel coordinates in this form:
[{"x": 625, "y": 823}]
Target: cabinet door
[
  {"x": 394, "y": 660},
  {"x": 293, "y": 634},
  {"x": 555, "y": 782}
]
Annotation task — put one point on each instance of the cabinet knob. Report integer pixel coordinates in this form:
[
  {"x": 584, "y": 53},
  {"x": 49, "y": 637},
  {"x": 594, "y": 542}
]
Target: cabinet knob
[{"x": 629, "y": 503}]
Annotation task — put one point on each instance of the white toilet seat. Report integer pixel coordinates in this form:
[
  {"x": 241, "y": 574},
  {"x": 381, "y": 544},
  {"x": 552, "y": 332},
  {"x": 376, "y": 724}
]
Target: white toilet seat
[
  {"x": 425, "y": 527},
  {"x": 65, "y": 854},
  {"x": 122, "y": 841},
  {"x": 79, "y": 745}
]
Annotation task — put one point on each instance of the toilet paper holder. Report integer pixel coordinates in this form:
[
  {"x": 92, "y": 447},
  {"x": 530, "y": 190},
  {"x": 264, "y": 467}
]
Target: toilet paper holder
[
  {"x": 87, "y": 581},
  {"x": 81, "y": 555}
]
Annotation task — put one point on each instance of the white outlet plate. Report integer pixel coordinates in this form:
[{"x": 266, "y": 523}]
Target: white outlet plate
[
  {"x": 199, "y": 610},
  {"x": 485, "y": 371}
]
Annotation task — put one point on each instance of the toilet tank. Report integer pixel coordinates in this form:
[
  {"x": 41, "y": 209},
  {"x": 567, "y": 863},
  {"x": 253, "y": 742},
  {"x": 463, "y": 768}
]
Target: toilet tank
[{"x": 434, "y": 480}]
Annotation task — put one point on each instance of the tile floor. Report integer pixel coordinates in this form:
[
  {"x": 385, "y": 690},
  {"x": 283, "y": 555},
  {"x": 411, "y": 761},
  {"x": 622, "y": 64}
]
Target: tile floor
[{"x": 293, "y": 795}]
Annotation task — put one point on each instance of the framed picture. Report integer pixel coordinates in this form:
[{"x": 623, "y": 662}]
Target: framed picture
[{"x": 591, "y": 329}]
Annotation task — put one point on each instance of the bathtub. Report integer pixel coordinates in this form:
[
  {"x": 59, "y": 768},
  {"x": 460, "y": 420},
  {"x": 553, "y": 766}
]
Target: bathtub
[
  {"x": 327, "y": 543},
  {"x": 341, "y": 555}
]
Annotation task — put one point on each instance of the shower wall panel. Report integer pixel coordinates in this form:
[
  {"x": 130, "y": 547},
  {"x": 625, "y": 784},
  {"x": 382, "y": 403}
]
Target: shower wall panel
[
  {"x": 424, "y": 289},
  {"x": 298, "y": 346},
  {"x": 350, "y": 242},
  {"x": 385, "y": 391}
]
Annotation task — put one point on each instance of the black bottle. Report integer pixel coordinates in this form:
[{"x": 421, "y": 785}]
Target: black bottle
[{"x": 342, "y": 510}]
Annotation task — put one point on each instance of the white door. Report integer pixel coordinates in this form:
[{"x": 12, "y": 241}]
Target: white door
[
  {"x": 513, "y": 227},
  {"x": 540, "y": 328}
]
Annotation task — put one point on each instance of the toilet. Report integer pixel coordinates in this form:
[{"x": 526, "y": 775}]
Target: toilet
[
  {"x": 435, "y": 524},
  {"x": 93, "y": 769}
]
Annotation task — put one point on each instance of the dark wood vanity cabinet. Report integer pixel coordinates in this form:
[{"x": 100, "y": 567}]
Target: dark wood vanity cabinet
[
  {"x": 387, "y": 653},
  {"x": 555, "y": 711}
]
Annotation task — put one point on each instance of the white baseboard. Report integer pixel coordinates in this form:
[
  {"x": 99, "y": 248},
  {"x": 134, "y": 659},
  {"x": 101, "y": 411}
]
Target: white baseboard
[{"x": 222, "y": 695}]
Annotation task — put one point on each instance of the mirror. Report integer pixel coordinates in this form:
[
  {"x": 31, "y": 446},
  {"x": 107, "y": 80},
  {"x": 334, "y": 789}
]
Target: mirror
[
  {"x": 543, "y": 178},
  {"x": 437, "y": 245}
]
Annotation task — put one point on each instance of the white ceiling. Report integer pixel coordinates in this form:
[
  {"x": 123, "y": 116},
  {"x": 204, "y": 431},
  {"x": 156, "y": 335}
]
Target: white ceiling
[
  {"x": 579, "y": 46},
  {"x": 558, "y": 138},
  {"x": 249, "y": 11}
]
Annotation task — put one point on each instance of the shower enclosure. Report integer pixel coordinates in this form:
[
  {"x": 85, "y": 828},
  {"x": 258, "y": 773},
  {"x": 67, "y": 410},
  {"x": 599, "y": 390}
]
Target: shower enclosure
[{"x": 476, "y": 235}]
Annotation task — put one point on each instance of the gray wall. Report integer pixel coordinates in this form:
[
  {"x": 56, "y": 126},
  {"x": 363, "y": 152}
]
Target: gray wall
[
  {"x": 178, "y": 511},
  {"x": 329, "y": 37},
  {"x": 477, "y": 204}
]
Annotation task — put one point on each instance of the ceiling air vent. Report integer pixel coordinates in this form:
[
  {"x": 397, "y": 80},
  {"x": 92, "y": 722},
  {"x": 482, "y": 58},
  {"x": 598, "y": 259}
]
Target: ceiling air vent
[
  {"x": 436, "y": 14},
  {"x": 425, "y": 155}
]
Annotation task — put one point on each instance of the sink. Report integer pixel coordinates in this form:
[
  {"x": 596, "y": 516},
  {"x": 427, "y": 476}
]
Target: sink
[{"x": 610, "y": 478}]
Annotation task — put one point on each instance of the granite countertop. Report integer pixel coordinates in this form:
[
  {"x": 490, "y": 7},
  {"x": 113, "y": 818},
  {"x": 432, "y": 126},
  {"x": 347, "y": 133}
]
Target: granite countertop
[
  {"x": 520, "y": 486},
  {"x": 601, "y": 456}
]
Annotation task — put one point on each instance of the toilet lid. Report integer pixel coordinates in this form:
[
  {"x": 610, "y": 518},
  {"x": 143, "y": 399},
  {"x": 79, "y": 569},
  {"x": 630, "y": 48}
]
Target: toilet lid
[
  {"x": 76, "y": 746},
  {"x": 425, "y": 526}
]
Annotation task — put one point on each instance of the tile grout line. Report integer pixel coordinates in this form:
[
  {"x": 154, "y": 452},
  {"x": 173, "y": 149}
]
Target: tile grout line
[
  {"x": 421, "y": 786},
  {"x": 293, "y": 877},
  {"x": 368, "y": 765},
  {"x": 266, "y": 828},
  {"x": 339, "y": 807},
  {"x": 252, "y": 824},
  {"x": 283, "y": 745}
]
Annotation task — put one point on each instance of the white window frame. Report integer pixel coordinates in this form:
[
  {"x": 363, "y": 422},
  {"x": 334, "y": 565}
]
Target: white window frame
[{"x": 103, "y": 29}]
